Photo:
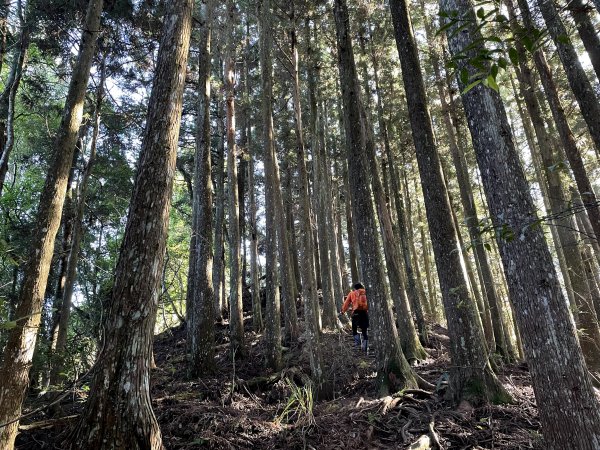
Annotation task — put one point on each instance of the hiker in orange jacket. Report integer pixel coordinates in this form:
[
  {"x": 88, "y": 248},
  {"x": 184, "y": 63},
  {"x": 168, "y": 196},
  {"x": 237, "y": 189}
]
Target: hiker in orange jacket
[{"x": 357, "y": 301}]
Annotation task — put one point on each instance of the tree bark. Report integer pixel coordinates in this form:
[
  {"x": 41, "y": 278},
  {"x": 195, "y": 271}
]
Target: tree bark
[
  {"x": 4, "y": 11},
  {"x": 468, "y": 202},
  {"x": 77, "y": 235},
  {"x": 329, "y": 202},
  {"x": 201, "y": 313},
  {"x": 118, "y": 412},
  {"x": 320, "y": 192},
  {"x": 570, "y": 417},
  {"x": 566, "y": 135},
  {"x": 288, "y": 201},
  {"x": 482, "y": 306},
  {"x": 236, "y": 315},
  {"x": 421, "y": 298},
  {"x": 351, "y": 233},
  {"x": 409, "y": 340},
  {"x": 590, "y": 263},
  {"x": 431, "y": 292},
  {"x": 273, "y": 307},
  {"x": 413, "y": 294},
  {"x": 565, "y": 226},
  {"x": 7, "y": 102},
  {"x": 537, "y": 166},
  {"x": 338, "y": 189},
  {"x": 18, "y": 352},
  {"x": 471, "y": 375},
  {"x": 393, "y": 370},
  {"x": 292, "y": 331},
  {"x": 580, "y": 85},
  {"x": 309, "y": 281},
  {"x": 219, "y": 256},
  {"x": 67, "y": 219},
  {"x": 587, "y": 32},
  {"x": 257, "y": 319}
]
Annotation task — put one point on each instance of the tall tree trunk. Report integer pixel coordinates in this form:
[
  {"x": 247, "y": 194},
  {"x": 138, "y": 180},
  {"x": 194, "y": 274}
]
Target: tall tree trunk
[
  {"x": 468, "y": 202},
  {"x": 310, "y": 297},
  {"x": 587, "y": 32},
  {"x": 67, "y": 220},
  {"x": 287, "y": 194},
  {"x": 288, "y": 201},
  {"x": 585, "y": 227},
  {"x": 482, "y": 306},
  {"x": 18, "y": 352},
  {"x": 309, "y": 282},
  {"x": 580, "y": 85},
  {"x": 408, "y": 248},
  {"x": 411, "y": 239},
  {"x": 7, "y": 101},
  {"x": 219, "y": 257},
  {"x": 236, "y": 314},
  {"x": 242, "y": 155},
  {"x": 77, "y": 235},
  {"x": 320, "y": 193},
  {"x": 329, "y": 203},
  {"x": 537, "y": 165},
  {"x": 431, "y": 292},
  {"x": 285, "y": 253},
  {"x": 565, "y": 226},
  {"x": 570, "y": 417},
  {"x": 590, "y": 263},
  {"x": 257, "y": 319},
  {"x": 273, "y": 308},
  {"x": 566, "y": 135},
  {"x": 393, "y": 370},
  {"x": 66, "y": 225},
  {"x": 201, "y": 313},
  {"x": 413, "y": 294},
  {"x": 4, "y": 11},
  {"x": 409, "y": 339},
  {"x": 411, "y": 347},
  {"x": 471, "y": 374},
  {"x": 592, "y": 277},
  {"x": 292, "y": 331},
  {"x": 338, "y": 189},
  {"x": 118, "y": 412},
  {"x": 351, "y": 232}
]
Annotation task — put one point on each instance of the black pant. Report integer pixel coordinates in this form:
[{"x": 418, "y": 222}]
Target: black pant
[{"x": 360, "y": 319}]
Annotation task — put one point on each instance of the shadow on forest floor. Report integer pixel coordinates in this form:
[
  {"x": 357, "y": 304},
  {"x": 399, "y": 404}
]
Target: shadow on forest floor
[{"x": 247, "y": 407}]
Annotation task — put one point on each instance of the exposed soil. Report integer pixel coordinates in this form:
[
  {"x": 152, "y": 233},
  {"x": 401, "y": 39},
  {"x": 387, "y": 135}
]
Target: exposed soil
[{"x": 243, "y": 406}]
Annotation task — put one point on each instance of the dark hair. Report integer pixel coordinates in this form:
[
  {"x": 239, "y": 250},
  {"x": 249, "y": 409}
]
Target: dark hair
[{"x": 358, "y": 286}]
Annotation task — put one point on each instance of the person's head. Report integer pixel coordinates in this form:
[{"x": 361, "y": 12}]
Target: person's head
[{"x": 358, "y": 286}]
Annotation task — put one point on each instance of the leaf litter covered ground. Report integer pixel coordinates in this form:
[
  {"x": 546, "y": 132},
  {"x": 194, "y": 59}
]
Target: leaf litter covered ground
[{"x": 242, "y": 406}]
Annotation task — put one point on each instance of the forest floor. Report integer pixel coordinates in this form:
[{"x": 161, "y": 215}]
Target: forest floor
[{"x": 242, "y": 406}]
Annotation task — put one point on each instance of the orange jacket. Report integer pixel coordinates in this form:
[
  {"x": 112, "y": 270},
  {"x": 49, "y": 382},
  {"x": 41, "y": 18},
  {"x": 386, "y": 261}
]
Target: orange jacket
[{"x": 354, "y": 298}]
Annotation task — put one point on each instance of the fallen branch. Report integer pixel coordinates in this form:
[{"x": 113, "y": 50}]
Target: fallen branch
[{"x": 43, "y": 424}]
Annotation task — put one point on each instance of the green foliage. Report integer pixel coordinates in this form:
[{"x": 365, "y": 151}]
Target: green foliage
[
  {"x": 492, "y": 46},
  {"x": 299, "y": 406}
]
